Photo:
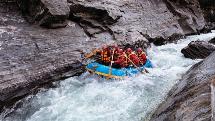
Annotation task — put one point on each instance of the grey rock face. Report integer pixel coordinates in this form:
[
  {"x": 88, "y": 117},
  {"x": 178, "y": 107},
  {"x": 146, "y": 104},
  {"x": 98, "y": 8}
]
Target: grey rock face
[
  {"x": 198, "y": 50},
  {"x": 31, "y": 56},
  {"x": 48, "y": 13},
  {"x": 190, "y": 98},
  {"x": 189, "y": 14},
  {"x": 213, "y": 98},
  {"x": 130, "y": 21}
]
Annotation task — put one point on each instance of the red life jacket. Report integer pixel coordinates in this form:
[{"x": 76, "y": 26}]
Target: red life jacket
[
  {"x": 142, "y": 57},
  {"x": 134, "y": 58},
  {"x": 116, "y": 55},
  {"x": 122, "y": 60}
]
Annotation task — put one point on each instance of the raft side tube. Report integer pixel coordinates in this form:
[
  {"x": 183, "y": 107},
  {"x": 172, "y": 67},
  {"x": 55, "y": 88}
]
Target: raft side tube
[{"x": 113, "y": 72}]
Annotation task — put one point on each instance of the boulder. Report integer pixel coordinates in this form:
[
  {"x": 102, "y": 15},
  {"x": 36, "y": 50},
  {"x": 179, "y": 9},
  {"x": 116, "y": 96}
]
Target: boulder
[
  {"x": 47, "y": 13},
  {"x": 212, "y": 41},
  {"x": 190, "y": 98},
  {"x": 198, "y": 50}
]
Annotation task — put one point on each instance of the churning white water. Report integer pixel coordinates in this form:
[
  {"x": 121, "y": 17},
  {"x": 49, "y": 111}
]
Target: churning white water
[{"x": 95, "y": 99}]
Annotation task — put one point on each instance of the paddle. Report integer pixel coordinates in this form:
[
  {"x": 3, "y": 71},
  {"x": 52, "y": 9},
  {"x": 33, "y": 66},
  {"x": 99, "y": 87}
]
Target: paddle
[
  {"x": 89, "y": 55},
  {"x": 144, "y": 68},
  {"x": 137, "y": 66},
  {"x": 110, "y": 69},
  {"x": 86, "y": 56}
]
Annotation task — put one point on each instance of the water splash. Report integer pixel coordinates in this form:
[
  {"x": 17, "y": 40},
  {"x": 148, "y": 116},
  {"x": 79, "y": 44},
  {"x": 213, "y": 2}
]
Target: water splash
[{"x": 96, "y": 99}]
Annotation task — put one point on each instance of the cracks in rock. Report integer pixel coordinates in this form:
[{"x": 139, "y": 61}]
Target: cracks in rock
[
  {"x": 193, "y": 12},
  {"x": 110, "y": 32},
  {"x": 39, "y": 12},
  {"x": 93, "y": 21},
  {"x": 187, "y": 27}
]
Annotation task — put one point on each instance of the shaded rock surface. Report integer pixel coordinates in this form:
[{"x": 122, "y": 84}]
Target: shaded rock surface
[
  {"x": 208, "y": 8},
  {"x": 198, "y": 50},
  {"x": 190, "y": 98},
  {"x": 48, "y": 13},
  {"x": 212, "y": 41}
]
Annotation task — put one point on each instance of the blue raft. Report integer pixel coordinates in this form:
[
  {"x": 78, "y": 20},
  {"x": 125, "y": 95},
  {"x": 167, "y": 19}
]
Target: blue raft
[{"x": 103, "y": 70}]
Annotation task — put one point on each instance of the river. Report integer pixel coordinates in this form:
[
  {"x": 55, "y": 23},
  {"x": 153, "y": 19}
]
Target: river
[{"x": 96, "y": 99}]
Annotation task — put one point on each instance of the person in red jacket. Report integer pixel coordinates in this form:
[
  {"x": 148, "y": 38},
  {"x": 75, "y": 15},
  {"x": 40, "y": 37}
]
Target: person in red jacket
[
  {"x": 115, "y": 51},
  {"x": 132, "y": 58},
  {"x": 121, "y": 61},
  {"x": 142, "y": 56}
]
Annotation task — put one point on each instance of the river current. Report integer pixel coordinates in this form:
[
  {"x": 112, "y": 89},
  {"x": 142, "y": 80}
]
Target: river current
[{"x": 97, "y": 99}]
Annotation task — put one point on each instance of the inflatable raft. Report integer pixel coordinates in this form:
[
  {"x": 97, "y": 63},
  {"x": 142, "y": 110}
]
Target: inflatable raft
[{"x": 105, "y": 71}]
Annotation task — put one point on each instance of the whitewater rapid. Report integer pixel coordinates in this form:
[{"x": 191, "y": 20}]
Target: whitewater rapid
[{"x": 96, "y": 99}]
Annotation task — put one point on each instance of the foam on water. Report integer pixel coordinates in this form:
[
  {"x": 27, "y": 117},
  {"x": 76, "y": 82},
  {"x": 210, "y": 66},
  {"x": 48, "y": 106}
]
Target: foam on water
[{"x": 95, "y": 99}]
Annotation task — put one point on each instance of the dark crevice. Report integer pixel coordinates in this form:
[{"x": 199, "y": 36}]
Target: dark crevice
[
  {"x": 186, "y": 27},
  {"x": 90, "y": 17}
]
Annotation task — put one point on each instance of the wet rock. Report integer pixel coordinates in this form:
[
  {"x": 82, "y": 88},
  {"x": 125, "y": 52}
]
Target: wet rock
[
  {"x": 208, "y": 27},
  {"x": 198, "y": 50},
  {"x": 47, "y": 13},
  {"x": 161, "y": 41},
  {"x": 190, "y": 98},
  {"x": 212, "y": 41}
]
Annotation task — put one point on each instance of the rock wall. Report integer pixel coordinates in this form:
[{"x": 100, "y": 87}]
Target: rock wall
[
  {"x": 135, "y": 19},
  {"x": 208, "y": 8},
  {"x": 213, "y": 98},
  {"x": 31, "y": 55},
  {"x": 126, "y": 21},
  {"x": 190, "y": 98}
]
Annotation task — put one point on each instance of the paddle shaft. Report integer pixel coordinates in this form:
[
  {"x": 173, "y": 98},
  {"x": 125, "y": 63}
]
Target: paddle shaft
[
  {"x": 110, "y": 70},
  {"x": 144, "y": 68},
  {"x": 89, "y": 55},
  {"x": 136, "y": 65}
]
